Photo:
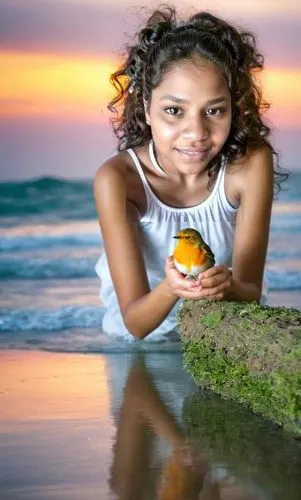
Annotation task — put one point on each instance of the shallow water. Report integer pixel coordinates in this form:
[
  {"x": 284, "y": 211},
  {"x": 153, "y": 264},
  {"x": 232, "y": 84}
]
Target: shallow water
[
  {"x": 88, "y": 416},
  {"x": 132, "y": 426}
]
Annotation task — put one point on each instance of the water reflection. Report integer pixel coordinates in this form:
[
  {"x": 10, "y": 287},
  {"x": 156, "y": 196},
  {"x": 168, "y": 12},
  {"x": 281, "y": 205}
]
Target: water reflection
[
  {"x": 171, "y": 451},
  {"x": 142, "y": 466},
  {"x": 257, "y": 452}
]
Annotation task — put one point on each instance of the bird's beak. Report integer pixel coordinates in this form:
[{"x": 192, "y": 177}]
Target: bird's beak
[{"x": 176, "y": 237}]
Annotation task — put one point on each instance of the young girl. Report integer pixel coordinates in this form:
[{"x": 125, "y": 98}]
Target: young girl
[{"x": 193, "y": 152}]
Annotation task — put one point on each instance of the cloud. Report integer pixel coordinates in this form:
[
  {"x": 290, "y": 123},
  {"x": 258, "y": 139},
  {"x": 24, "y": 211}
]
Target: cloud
[
  {"x": 95, "y": 26},
  {"x": 62, "y": 27}
]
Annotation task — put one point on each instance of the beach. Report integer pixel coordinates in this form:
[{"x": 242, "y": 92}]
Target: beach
[
  {"x": 112, "y": 426},
  {"x": 85, "y": 415},
  {"x": 55, "y": 426}
]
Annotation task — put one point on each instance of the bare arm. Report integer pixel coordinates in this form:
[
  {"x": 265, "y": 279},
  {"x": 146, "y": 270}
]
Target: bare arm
[
  {"x": 252, "y": 228},
  {"x": 142, "y": 309},
  {"x": 251, "y": 235}
]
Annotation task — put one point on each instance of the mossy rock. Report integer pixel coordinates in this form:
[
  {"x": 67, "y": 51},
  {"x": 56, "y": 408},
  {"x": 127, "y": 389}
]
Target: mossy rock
[
  {"x": 252, "y": 448},
  {"x": 246, "y": 352}
]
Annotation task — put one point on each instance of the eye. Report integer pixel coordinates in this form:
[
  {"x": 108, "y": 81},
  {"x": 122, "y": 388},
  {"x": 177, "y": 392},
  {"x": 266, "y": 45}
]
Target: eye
[
  {"x": 172, "y": 110},
  {"x": 215, "y": 111}
]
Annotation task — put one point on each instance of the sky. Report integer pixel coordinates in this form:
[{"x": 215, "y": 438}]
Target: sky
[{"x": 56, "y": 57}]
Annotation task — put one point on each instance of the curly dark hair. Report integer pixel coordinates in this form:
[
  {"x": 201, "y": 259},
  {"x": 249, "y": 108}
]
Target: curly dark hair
[{"x": 165, "y": 40}]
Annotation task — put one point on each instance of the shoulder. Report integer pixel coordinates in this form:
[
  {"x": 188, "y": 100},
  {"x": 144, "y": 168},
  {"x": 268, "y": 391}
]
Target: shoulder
[
  {"x": 116, "y": 183},
  {"x": 116, "y": 174},
  {"x": 112, "y": 170},
  {"x": 253, "y": 173},
  {"x": 109, "y": 184}
]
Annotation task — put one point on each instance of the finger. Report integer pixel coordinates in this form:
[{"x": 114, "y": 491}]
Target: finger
[
  {"x": 220, "y": 289},
  {"x": 195, "y": 283},
  {"x": 198, "y": 296},
  {"x": 188, "y": 285},
  {"x": 188, "y": 294},
  {"x": 218, "y": 296},
  {"x": 213, "y": 271},
  {"x": 215, "y": 280},
  {"x": 169, "y": 263}
]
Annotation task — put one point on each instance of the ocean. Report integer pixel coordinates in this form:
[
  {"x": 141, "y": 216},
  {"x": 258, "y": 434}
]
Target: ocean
[
  {"x": 50, "y": 242},
  {"x": 86, "y": 416}
]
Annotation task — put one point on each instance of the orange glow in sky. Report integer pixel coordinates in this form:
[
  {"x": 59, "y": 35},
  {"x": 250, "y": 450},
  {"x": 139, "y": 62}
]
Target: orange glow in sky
[
  {"x": 78, "y": 87},
  {"x": 282, "y": 89},
  {"x": 53, "y": 85}
]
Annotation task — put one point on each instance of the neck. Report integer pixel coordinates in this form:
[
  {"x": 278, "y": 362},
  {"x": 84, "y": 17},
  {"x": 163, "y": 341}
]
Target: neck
[{"x": 153, "y": 159}]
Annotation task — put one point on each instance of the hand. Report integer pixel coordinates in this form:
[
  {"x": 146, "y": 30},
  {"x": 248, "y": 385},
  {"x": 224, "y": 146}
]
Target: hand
[
  {"x": 215, "y": 282},
  {"x": 212, "y": 284}
]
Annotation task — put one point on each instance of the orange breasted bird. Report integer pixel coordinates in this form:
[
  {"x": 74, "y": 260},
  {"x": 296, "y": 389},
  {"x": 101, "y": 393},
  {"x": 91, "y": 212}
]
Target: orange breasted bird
[{"x": 192, "y": 255}]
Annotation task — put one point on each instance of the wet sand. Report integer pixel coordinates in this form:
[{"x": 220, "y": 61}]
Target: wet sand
[
  {"x": 55, "y": 426},
  {"x": 112, "y": 426}
]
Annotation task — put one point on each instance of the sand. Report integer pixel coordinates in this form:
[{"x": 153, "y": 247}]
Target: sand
[{"x": 55, "y": 426}]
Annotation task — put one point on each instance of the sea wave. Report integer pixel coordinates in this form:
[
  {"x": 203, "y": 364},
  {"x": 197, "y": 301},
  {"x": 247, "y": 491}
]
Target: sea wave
[
  {"x": 287, "y": 223},
  {"x": 283, "y": 270},
  {"x": 81, "y": 316},
  {"x": 24, "y": 243},
  {"x": 87, "y": 340},
  {"x": 47, "y": 268},
  {"x": 283, "y": 279},
  {"x": 50, "y": 319},
  {"x": 72, "y": 329},
  {"x": 64, "y": 199},
  {"x": 50, "y": 229},
  {"x": 292, "y": 207}
]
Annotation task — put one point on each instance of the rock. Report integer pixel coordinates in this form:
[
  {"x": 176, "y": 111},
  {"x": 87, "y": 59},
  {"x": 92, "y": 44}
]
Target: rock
[{"x": 246, "y": 352}]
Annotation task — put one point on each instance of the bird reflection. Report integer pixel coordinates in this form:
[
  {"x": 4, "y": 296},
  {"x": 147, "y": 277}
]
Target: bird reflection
[{"x": 142, "y": 469}]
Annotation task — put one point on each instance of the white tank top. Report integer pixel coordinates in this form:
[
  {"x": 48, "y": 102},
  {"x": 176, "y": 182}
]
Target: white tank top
[{"x": 214, "y": 218}]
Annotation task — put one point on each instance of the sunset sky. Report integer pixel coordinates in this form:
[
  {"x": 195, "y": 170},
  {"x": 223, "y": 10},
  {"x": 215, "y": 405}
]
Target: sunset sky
[{"x": 56, "y": 57}]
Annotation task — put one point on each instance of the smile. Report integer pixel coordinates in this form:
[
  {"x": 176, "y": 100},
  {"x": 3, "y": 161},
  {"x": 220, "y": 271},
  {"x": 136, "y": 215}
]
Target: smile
[{"x": 196, "y": 154}]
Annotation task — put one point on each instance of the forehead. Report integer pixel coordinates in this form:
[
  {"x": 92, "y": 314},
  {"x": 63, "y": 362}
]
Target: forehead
[{"x": 197, "y": 76}]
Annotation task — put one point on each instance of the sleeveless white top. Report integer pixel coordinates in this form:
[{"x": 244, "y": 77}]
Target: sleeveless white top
[{"x": 214, "y": 218}]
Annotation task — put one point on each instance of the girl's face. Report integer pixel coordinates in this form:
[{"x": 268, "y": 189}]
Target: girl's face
[{"x": 190, "y": 116}]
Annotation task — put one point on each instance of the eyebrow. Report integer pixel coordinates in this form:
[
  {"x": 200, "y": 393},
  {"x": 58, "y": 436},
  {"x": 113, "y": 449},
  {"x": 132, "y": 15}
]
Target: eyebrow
[{"x": 179, "y": 100}]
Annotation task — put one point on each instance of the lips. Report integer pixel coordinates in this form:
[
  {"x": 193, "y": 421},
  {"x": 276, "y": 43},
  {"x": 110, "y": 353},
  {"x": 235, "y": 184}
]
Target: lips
[{"x": 194, "y": 153}]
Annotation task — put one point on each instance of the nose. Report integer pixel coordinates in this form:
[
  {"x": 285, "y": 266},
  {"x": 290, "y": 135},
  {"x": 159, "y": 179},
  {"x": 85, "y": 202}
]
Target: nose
[{"x": 197, "y": 128}]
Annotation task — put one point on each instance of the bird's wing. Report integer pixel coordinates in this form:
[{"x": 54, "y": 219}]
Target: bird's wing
[{"x": 209, "y": 253}]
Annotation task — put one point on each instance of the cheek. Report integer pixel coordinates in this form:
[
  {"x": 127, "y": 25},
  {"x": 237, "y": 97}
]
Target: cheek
[
  {"x": 164, "y": 130},
  {"x": 223, "y": 129}
]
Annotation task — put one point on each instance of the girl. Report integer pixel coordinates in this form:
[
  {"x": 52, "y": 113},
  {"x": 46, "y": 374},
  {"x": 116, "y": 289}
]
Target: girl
[{"x": 193, "y": 152}]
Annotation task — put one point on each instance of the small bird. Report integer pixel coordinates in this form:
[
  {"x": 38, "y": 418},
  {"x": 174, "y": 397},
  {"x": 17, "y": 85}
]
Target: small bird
[{"x": 192, "y": 255}]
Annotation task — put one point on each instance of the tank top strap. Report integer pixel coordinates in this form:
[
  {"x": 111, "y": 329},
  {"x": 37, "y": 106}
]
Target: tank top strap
[
  {"x": 219, "y": 180},
  {"x": 220, "y": 188},
  {"x": 138, "y": 167},
  {"x": 147, "y": 189},
  {"x": 221, "y": 175}
]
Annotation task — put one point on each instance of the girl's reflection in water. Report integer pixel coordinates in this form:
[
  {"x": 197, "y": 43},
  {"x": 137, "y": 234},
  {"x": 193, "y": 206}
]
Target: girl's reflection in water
[{"x": 144, "y": 469}]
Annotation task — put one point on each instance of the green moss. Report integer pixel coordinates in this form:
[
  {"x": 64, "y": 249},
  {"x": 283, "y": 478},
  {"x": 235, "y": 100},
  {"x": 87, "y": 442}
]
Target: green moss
[
  {"x": 275, "y": 395},
  {"x": 249, "y": 445},
  {"x": 247, "y": 352},
  {"x": 212, "y": 320}
]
